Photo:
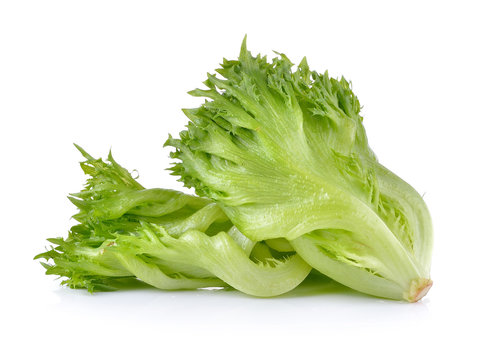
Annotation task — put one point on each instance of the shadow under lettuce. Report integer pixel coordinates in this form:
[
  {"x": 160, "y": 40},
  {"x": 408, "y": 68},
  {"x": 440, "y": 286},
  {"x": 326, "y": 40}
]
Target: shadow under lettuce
[{"x": 315, "y": 284}]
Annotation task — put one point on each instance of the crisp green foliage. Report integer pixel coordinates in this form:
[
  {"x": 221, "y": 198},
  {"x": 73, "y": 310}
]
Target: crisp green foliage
[
  {"x": 285, "y": 155},
  {"x": 286, "y": 180},
  {"x": 165, "y": 238}
]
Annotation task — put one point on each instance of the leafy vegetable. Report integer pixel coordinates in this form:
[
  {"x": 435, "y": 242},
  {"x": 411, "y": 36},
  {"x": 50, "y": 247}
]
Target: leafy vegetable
[
  {"x": 281, "y": 162},
  {"x": 165, "y": 238},
  {"x": 285, "y": 155}
]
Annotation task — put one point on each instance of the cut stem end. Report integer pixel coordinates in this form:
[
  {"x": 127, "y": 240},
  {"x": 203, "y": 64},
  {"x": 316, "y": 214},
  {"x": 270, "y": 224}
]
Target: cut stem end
[{"x": 418, "y": 289}]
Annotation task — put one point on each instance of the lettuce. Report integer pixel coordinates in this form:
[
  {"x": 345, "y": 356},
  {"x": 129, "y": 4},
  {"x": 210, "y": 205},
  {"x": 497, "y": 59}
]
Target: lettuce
[
  {"x": 165, "y": 238},
  {"x": 286, "y": 182},
  {"x": 284, "y": 154}
]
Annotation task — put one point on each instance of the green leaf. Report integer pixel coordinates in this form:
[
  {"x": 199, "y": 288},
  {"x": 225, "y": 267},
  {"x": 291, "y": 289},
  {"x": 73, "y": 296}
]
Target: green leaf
[
  {"x": 165, "y": 238},
  {"x": 285, "y": 155}
]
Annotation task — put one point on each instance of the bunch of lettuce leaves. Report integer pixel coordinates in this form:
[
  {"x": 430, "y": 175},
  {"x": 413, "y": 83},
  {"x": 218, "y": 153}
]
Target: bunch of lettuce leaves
[
  {"x": 165, "y": 238},
  {"x": 286, "y": 182}
]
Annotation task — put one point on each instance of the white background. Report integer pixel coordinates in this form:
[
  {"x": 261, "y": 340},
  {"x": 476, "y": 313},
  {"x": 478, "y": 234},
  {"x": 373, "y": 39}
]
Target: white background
[{"x": 107, "y": 74}]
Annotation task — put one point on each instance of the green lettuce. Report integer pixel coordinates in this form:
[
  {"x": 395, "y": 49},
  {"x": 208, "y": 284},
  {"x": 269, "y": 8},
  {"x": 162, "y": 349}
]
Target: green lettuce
[
  {"x": 284, "y": 154},
  {"x": 165, "y": 238}
]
